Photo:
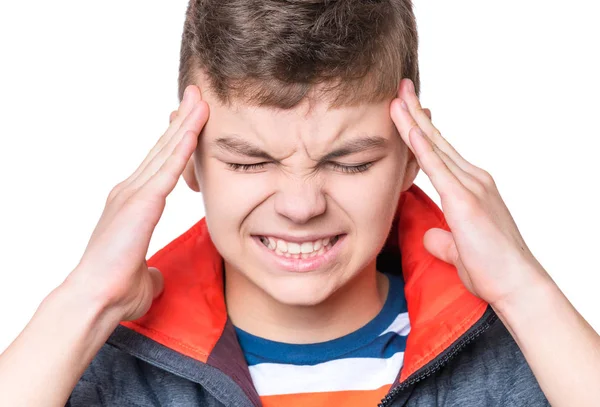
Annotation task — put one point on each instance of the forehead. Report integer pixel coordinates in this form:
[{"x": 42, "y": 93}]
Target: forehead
[{"x": 309, "y": 123}]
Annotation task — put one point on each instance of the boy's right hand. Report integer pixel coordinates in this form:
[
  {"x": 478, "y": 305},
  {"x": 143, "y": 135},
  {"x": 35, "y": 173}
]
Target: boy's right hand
[{"x": 113, "y": 269}]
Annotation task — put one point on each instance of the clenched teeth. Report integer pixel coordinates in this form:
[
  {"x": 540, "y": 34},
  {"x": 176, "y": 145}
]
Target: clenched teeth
[{"x": 298, "y": 250}]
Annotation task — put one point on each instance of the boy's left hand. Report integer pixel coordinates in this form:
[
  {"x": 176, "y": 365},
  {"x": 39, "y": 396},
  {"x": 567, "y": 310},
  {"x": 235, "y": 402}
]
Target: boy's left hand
[{"x": 484, "y": 244}]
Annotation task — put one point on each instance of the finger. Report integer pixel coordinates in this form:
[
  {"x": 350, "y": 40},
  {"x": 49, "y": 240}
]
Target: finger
[
  {"x": 158, "y": 281},
  {"x": 164, "y": 180},
  {"x": 407, "y": 94},
  {"x": 172, "y": 116},
  {"x": 405, "y": 122},
  {"x": 443, "y": 179},
  {"x": 427, "y": 112},
  {"x": 466, "y": 178},
  {"x": 440, "y": 243},
  {"x": 191, "y": 97},
  {"x": 193, "y": 123}
]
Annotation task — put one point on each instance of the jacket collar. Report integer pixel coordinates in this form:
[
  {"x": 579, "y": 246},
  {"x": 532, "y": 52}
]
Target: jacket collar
[{"x": 190, "y": 316}]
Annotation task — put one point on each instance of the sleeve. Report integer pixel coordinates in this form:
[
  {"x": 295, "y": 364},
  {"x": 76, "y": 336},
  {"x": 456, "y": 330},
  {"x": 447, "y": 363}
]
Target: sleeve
[
  {"x": 520, "y": 387},
  {"x": 86, "y": 394},
  {"x": 106, "y": 380}
]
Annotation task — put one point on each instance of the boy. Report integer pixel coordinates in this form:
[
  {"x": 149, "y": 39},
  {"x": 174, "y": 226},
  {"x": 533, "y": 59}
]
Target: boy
[{"x": 321, "y": 274}]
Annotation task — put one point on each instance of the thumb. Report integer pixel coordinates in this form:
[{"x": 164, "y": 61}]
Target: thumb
[
  {"x": 440, "y": 243},
  {"x": 158, "y": 282}
]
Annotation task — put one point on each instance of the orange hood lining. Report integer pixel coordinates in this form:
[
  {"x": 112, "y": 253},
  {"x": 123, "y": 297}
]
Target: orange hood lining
[{"x": 190, "y": 315}]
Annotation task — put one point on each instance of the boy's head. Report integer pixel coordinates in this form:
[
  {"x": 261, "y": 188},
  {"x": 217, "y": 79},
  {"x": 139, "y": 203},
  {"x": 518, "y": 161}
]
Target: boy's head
[{"x": 299, "y": 143}]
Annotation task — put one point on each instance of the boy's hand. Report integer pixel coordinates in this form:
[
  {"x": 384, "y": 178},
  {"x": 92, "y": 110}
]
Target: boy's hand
[
  {"x": 484, "y": 244},
  {"x": 113, "y": 268}
]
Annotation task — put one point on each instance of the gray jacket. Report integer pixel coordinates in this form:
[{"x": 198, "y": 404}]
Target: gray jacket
[{"x": 184, "y": 351}]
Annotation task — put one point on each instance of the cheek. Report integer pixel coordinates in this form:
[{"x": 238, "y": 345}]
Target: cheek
[
  {"x": 370, "y": 200},
  {"x": 229, "y": 197}
]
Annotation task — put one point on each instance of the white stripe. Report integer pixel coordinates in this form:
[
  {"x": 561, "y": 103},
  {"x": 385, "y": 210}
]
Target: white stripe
[
  {"x": 401, "y": 325},
  {"x": 336, "y": 375}
]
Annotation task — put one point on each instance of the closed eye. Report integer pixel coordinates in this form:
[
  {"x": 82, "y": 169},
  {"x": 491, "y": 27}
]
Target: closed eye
[
  {"x": 246, "y": 167},
  {"x": 352, "y": 169},
  {"x": 348, "y": 169}
]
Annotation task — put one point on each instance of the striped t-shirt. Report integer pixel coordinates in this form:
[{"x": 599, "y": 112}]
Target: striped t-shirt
[{"x": 354, "y": 370}]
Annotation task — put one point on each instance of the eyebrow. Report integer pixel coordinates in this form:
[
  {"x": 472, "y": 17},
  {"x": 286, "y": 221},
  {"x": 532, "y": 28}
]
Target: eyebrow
[{"x": 237, "y": 145}]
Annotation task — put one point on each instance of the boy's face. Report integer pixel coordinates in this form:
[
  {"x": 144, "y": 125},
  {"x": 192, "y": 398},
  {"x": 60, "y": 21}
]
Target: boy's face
[{"x": 298, "y": 192}]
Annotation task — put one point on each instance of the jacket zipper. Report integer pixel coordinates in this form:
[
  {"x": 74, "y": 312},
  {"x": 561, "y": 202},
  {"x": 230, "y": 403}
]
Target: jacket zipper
[{"x": 477, "y": 329}]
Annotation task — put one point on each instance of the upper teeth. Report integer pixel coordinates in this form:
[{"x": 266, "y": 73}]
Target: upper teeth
[{"x": 295, "y": 248}]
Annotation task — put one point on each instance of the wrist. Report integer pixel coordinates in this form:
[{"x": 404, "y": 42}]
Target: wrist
[
  {"x": 89, "y": 298},
  {"x": 530, "y": 297},
  {"x": 61, "y": 339}
]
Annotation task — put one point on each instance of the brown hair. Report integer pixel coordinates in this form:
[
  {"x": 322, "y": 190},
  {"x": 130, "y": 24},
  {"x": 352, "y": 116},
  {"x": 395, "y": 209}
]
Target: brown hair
[{"x": 273, "y": 52}]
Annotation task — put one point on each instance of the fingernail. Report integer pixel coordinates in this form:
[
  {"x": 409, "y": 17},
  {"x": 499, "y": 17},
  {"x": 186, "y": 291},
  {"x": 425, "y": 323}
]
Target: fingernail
[
  {"x": 403, "y": 105},
  {"x": 411, "y": 86}
]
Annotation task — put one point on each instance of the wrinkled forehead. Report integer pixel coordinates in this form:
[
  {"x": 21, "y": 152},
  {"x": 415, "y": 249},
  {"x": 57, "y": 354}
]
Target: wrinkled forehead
[{"x": 312, "y": 124}]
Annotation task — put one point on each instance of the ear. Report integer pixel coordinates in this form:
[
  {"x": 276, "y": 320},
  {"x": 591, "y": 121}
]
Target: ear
[
  {"x": 412, "y": 169},
  {"x": 189, "y": 174}
]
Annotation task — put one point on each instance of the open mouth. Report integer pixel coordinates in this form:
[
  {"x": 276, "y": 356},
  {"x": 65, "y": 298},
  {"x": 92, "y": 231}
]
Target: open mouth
[{"x": 304, "y": 250}]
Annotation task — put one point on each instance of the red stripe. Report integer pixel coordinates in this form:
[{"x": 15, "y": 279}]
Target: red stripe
[{"x": 350, "y": 398}]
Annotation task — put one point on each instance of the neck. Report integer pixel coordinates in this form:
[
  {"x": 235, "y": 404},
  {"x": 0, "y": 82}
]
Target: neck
[{"x": 346, "y": 310}]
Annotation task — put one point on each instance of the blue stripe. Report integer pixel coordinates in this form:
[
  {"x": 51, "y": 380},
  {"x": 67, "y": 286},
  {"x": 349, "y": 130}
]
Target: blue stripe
[
  {"x": 384, "y": 347},
  {"x": 364, "y": 342}
]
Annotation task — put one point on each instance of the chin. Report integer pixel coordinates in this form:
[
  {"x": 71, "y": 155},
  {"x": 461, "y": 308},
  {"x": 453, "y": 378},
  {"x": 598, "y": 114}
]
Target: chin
[{"x": 299, "y": 293}]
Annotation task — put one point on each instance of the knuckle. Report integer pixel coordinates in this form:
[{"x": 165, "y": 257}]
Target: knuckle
[
  {"x": 120, "y": 192},
  {"x": 115, "y": 191},
  {"x": 168, "y": 177},
  {"x": 469, "y": 202},
  {"x": 486, "y": 178},
  {"x": 143, "y": 205},
  {"x": 132, "y": 205},
  {"x": 476, "y": 186},
  {"x": 472, "y": 208}
]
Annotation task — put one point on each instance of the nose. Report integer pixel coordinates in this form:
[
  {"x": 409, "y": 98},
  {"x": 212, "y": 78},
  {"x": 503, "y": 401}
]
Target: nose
[{"x": 300, "y": 200}]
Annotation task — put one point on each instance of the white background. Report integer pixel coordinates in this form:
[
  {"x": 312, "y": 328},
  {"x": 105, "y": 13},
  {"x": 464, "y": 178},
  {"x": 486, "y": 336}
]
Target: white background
[{"x": 86, "y": 89}]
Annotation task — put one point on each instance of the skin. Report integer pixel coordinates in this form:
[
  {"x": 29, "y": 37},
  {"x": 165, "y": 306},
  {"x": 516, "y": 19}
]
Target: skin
[
  {"x": 112, "y": 281},
  {"x": 494, "y": 263},
  {"x": 295, "y": 193}
]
